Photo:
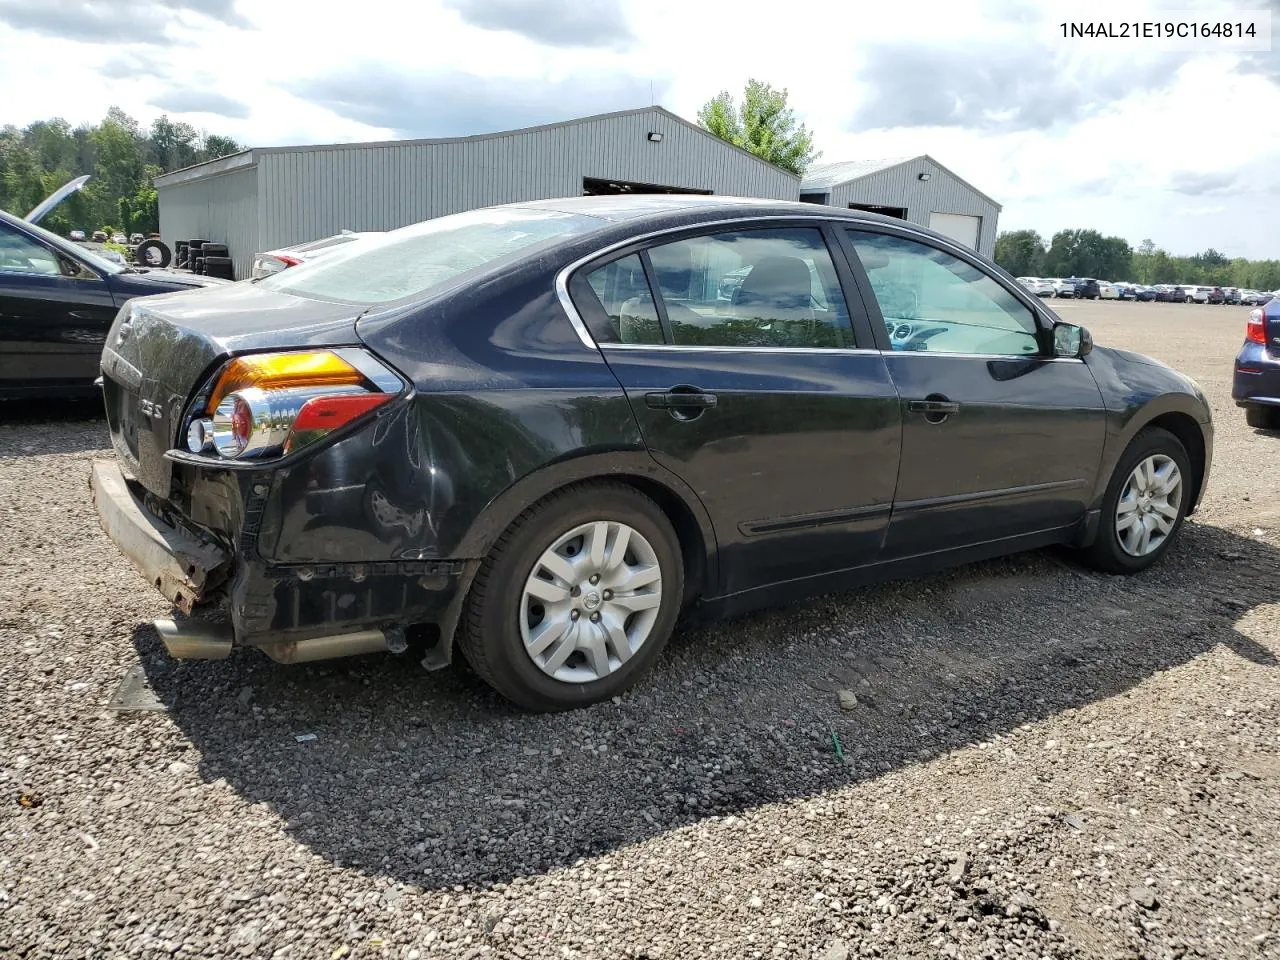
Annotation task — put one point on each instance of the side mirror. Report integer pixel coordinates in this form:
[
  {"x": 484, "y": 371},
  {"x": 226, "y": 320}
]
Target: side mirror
[{"x": 1070, "y": 340}]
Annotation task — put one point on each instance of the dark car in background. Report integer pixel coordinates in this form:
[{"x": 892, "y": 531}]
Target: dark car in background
[
  {"x": 1256, "y": 383},
  {"x": 1232, "y": 296},
  {"x": 1168, "y": 293},
  {"x": 1087, "y": 289},
  {"x": 1216, "y": 295},
  {"x": 539, "y": 432},
  {"x": 57, "y": 301},
  {"x": 1144, "y": 294}
]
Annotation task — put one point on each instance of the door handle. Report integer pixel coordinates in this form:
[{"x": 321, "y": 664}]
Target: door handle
[
  {"x": 676, "y": 399},
  {"x": 935, "y": 407}
]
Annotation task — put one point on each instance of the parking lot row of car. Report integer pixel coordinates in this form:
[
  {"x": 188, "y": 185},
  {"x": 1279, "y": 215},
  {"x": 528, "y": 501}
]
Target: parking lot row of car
[{"x": 1087, "y": 288}]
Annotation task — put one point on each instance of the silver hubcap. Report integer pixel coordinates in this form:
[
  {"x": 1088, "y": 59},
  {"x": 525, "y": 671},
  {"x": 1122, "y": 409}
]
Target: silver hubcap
[
  {"x": 1148, "y": 506},
  {"x": 590, "y": 602}
]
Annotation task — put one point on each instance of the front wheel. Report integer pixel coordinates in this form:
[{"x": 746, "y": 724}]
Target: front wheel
[
  {"x": 1145, "y": 503},
  {"x": 576, "y": 600}
]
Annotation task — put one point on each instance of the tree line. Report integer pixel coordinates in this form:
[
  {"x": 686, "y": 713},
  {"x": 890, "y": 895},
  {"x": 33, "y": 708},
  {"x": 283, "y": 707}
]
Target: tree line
[
  {"x": 1087, "y": 253},
  {"x": 118, "y": 153}
]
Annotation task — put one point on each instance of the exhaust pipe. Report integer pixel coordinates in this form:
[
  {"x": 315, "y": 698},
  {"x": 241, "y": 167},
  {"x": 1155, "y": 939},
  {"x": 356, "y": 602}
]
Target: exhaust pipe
[
  {"x": 195, "y": 639},
  {"x": 342, "y": 645}
]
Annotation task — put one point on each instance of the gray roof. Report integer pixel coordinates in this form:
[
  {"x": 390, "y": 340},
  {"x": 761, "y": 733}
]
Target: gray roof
[
  {"x": 250, "y": 156},
  {"x": 824, "y": 176},
  {"x": 830, "y": 174}
]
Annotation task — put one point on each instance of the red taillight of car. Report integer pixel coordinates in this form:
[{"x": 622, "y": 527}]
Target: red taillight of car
[
  {"x": 287, "y": 260},
  {"x": 322, "y": 415},
  {"x": 269, "y": 405},
  {"x": 1256, "y": 331}
]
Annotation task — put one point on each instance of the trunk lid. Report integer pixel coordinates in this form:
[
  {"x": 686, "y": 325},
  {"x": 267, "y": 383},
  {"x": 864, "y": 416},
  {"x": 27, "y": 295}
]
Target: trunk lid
[{"x": 161, "y": 349}]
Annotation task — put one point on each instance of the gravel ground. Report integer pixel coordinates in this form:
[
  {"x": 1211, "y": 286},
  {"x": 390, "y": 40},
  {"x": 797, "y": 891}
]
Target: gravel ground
[{"x": 1036, "y": 761}]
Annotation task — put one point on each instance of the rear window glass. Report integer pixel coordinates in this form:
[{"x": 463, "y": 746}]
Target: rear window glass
[{"x": 410, "y": 261}]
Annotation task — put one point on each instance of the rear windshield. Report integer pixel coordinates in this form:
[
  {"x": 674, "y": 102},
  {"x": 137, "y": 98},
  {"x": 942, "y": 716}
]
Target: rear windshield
[{"x": 410, "y": 261}]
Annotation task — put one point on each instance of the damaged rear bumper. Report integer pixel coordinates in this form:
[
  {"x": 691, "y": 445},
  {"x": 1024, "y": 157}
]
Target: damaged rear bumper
[
  {"x": 293, "y": 612},
  {"x": 181, "y": 565}
]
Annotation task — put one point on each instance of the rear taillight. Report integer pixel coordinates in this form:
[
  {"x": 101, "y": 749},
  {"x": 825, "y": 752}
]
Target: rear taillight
[
  {"x": 272, "y": 404},
  {"x": 1256, "y": 331}
]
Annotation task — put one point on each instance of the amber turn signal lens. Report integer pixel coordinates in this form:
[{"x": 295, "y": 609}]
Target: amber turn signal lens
[{"x": 282, "y": 370}]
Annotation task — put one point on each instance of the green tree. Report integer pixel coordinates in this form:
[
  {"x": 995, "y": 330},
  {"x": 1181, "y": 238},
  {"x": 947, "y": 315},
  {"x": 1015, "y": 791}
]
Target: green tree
[
  {"x": 1021, "y": 252},
  {"x": 762, "y": 124},
  {"x": 122, "y": 158},
  {"x": 1087, "y": 253}
]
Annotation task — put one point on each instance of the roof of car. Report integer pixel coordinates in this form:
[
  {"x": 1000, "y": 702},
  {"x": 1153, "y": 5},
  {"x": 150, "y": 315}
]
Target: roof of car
[{"x": 693, "y": 208}]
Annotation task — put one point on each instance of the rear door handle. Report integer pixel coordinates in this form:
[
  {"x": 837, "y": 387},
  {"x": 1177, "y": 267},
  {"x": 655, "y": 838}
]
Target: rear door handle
[{"x": 675, "y": 399}]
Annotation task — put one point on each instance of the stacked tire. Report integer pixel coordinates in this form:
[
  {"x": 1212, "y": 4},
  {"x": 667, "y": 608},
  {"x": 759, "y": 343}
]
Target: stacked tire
[
  {"x": 217, "y": 261},
  {"x": 205, "y": 257}
]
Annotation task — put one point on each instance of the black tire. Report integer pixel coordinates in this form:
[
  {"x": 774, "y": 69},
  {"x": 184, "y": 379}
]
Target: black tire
[
  {"x": 1262, "y": 418},
  {"x": 219, "y": 267},
  {"x": 198, "y": 266},
  {"x": 180, "y": 253},
  {"x": 1105, "y": 552},
  {"x": 142, "y": 254},
  {"x": 490, "y": 639},
  {"x": 214, "y": 250}
]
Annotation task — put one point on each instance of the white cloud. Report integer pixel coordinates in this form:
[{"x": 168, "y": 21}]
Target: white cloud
[{"x": 1180, "y": 148}]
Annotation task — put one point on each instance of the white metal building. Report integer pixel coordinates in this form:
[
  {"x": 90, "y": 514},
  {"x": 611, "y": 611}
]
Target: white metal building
[
  {"x": 917, "y": 189},
  {"x": 271, "y": 197}
]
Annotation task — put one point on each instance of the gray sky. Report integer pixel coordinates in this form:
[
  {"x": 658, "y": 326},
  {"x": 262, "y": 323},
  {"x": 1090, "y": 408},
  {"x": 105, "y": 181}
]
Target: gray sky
[{"x": 1176, "y": 145}]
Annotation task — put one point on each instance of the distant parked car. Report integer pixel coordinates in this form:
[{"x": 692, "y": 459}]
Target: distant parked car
[
  {"x": 77, "y": 234},
  {"x": 1256, "y": 385},
  {"x": 57, "y": 301},
  {"x": 1108, "y": 291},
  {"x": 1254, "y": 298},
  {"x": 1041, "y": 288},
  {"x": 100, "y": 236},
  {"x": 1215, "y": 295},
  {"x": 1231, "y": 295},
  {"x": 1064, "y": 288},
  {"x": 1144, "y": 294},
  {"x": 273, "y": 261},
  {"x": 1194, "y": 293},
  {"x": 136, "y": 238},
  {"x": 119, "y": 238},
  {"x": 1087, "y": 288},
  {"x": 1168, "y": 293}
]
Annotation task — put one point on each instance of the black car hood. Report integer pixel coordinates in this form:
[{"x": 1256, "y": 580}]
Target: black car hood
[{"x": 1128, "y": 356}]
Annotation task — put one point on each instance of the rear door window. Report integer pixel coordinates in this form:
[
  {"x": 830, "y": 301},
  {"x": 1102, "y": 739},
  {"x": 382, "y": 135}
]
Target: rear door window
[{"x": 752, "y": 288}]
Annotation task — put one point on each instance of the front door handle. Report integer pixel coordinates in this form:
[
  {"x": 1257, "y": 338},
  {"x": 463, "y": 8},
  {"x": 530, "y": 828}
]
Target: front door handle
[
  {"x": 935, "y": 407},
  {"x": 675, "y": 399}
]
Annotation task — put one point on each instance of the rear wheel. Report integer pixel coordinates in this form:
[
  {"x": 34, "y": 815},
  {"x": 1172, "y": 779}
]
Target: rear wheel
[
  {"x": 576, "y": 600},
  {"x": 1263, "y": 418}
]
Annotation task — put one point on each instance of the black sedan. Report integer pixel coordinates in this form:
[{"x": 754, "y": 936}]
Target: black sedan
[
  {"x": 57, "y": 301},
  {"x": 536, "y": 433}
]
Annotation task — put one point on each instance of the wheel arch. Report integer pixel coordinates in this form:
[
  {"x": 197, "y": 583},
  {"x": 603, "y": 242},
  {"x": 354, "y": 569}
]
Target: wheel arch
[
  {"x": 680, "y": 504},
  {"x": 1176, "y": 413}
]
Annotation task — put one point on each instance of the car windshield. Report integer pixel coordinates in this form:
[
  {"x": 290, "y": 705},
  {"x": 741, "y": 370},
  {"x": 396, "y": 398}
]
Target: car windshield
[
  {"x": 98, "y": 262},
  {"x": 412, "y": 260}
]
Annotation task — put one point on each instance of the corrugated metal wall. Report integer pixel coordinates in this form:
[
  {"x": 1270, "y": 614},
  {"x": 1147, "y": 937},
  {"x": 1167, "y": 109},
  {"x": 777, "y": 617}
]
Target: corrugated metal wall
[
  {"x": 312, "y": 192},
  {"x": 941, "y": 193},
  {"x": 223, "y": 208}
]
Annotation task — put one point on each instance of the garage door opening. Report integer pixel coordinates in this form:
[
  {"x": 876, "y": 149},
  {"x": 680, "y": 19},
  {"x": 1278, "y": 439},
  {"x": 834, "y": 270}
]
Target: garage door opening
[
  {"x": 813, "y": 198},
  {"x": 595, "y": 187},
  {"x": 899, "y": 212}
]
